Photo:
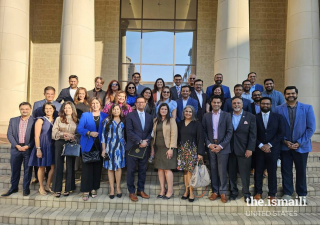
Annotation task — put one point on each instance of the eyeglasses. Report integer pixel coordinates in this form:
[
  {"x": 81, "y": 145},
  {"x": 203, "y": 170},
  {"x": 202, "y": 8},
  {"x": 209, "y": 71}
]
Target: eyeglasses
[
  {"x": 115, "y": 84},
  {"x": 166, "y": 92},
  {"x": 131, "y": 88},
  {"x": 256, "y": 95},
  {"x": 192, "y": 78}
]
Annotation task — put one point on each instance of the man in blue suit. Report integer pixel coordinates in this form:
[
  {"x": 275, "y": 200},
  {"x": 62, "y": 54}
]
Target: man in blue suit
[
  {"x": 300, "y": 125},
  {"x": 238, "y": 90},
  {"x": 49, "y": 94},
  {"x": 270, "y": 133},
  {"x": 138, "y": 127},
  {"x": 67, "y": 94},
  {"x": 21, "y": 136},
  {"x": 218, "y": 78},
  {"x": 184, "y": 101},
  {"x": 252, "y": 76}
]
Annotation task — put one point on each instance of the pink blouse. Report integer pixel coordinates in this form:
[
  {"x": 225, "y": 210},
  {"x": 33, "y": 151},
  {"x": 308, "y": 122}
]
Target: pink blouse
[{"x": 107, "y": 108}]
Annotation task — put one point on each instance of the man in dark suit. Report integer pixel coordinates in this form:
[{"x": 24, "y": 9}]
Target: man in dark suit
[
  {"x": 67, "y": 94},
  {"x": 97, "y": 90},
  {"x": 136, "y": 77},
  {"x": 176, "y": 90},
  {"x": 200, "y": 97},
  {"x": 238, "y": 90},
  {"x": 270, "y": 133},
  {"x": 252, "y": 76},
  {"x": 242, "y": 144},
  {"x": 218, "y": 78},
  {"x": 184, "y": 101},
  {"x": 138, "y": 127},
  {"x": 191, "y": 79},
  {"x": 255, "y": 105},
  {"x": 218, "y": 131},
  {"x": 21, "y": 136}
]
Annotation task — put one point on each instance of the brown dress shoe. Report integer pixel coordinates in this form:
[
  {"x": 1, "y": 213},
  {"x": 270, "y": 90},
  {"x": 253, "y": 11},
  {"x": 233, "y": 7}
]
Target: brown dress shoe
[
  {"x": 142, "y": 194},
  {"x": 224, "y": 198},
  {"x": 133, "y": 197},
  {"x": 257, "y": 197},
  {"x": 272, "y": 201},
  {"x": 213, "y": 196}
]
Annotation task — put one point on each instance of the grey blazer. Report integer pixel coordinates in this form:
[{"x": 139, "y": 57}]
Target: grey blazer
[
  {"x": 174, "y": 94},
  {"x": 40, "y": 103},
  {"x": 225, "y": 130},
  {"x": 140, "y": 89}
]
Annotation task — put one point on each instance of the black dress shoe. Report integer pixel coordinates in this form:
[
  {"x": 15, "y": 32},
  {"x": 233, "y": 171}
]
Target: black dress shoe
[
  {"x": 111, "y": 196},
  {"x": 233, "y": 197},
  {"x": 9, "y": 193},
  {"x": 184, "y": 197},
  {"x": 26, "y": 192},
  {"x": 167, "y": 198},
  {"x": 160, "y": 196},
  {"x": 119, "y": 195},
  {"x": 247, "y": 199}
]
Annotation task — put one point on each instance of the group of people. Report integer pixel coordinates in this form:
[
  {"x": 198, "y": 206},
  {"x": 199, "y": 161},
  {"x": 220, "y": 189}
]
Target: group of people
[{"x": 174, "y": 126}]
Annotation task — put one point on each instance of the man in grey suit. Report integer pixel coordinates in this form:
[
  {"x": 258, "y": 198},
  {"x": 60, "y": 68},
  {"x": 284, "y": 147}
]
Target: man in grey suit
[
  {"x": 97, "y": 90},
  {"x": 136, "y": 77},
  {"x": 242, "y": 144},
  {"x": 176, "y": 90},
  {"x": 218, "y": 131},
  {"x": 49, "y": 94}
]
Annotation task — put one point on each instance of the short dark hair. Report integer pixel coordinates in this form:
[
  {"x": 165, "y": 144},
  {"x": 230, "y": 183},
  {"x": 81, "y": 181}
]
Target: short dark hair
[
  {"x": 198, "y": 80},
  {"x": 185, "y": 86},
  {"x": 236, "y": 98},
  {"x": 252, "y": 73},
  {"x": 177, "y": 75},
  {"x": 218, "y": 74},
  {"x": 48, "y": 103},
  {"x": 216, "y": 97},
  {"x": 246, "y": 81},
  {"x": 255, "y": 91},
  {"x": 289, "y": 88},
  {"x": 140, "y": 97},
  {"x": 268, "y": 79},
  {"x": 237, "y": 85},
  {"x": 135, "y": 74},
  {"x": 265, "y": 98},
  {"x": 73, "y": 76},
  {"x": 25, "y": 103},
  {"x": 49, "y": 88}
]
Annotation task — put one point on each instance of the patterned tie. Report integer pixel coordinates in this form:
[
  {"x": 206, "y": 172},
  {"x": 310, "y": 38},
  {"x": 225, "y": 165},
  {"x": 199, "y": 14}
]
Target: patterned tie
[
  {"x": 141, "y": 120},
  {"x": 178, "y": 90},
  {"x": 265, "y": 120}
]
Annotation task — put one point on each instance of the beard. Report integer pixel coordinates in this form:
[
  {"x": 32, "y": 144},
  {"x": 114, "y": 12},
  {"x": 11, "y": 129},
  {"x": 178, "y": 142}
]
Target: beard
[
  {"x": 218, "y": 81},
  {"x": 289, "y": 99},
  {"x": 265, "y": 110},
  {"x": 237, "y": 109}
]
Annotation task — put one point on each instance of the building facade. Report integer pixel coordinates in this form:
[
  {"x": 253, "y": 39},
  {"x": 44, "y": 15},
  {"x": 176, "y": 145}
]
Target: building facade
[{"x": 45, "y": 41}]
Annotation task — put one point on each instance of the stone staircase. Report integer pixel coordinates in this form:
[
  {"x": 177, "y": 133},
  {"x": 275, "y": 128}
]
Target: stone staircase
[{"x": 37, "y": 209}]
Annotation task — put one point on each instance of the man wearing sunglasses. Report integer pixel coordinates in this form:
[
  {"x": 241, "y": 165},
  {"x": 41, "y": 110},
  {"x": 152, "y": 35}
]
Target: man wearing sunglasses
[
  {"x": 97, "y": 91},
  {"x": 191, "y": 79}
]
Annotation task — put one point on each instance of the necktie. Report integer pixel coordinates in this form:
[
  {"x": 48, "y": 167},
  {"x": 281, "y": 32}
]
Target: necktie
[
  {"x": 178, "y": 90},
  {"x": 265, "y": 120},
  {"x": 141, "y": 120}
]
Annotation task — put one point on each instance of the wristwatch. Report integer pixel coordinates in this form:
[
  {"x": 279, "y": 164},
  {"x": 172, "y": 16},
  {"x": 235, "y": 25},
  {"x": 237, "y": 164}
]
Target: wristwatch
[{"x": 141, "y": 141}]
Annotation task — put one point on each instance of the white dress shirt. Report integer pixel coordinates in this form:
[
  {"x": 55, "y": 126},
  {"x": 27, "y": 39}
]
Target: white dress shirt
[{"x": 200, "y": 97}]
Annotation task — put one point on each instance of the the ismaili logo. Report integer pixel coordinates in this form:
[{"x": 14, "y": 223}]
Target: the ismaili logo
[{"x": 299, "y": 201}]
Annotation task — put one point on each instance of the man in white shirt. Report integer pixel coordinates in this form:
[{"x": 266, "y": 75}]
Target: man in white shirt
[{"x": 200, "y": 97}]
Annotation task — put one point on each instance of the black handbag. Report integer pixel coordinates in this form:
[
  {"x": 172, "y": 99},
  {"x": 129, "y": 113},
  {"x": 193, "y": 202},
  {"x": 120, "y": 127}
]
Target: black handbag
[
  {"x": 137, "y": 152},
  {"x": 91, "y": 156},
  {"x": 71, "y": 149}
]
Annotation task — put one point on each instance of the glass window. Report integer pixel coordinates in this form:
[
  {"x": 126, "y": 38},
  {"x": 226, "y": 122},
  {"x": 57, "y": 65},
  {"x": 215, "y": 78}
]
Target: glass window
[
  {"x": 131, "y": 45},
  {"x": 184, "y": 47},
  {"x": 184, "y": 71},
  {"x": 156, "y": 71}
]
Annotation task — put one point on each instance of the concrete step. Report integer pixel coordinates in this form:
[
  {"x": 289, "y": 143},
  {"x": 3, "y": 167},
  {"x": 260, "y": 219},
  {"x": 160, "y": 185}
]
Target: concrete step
[{"x": 43, "y": 215}]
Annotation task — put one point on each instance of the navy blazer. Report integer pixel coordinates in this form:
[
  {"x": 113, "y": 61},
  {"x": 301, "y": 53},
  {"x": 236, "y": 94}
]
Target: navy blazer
[
  {"x": 13, "y": 132},
  {"x": 86, "y": 123},
  {"x": 37, "y": 108},
  {"x": 134, "y": 130},
  {"x": 190, "y": 101},
  {"x": 227, "y": 107},
  {"x": 64, "y": 95},
  {"x": 225, "y": 89},
  {"x": 273, "y": 134},
  {"x": 259, "y": 87}
]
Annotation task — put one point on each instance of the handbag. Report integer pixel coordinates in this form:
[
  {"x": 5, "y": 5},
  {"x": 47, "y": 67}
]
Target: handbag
[
  {"x": 200, "y": 176},
  {"x": 91, "y": 156},
  {"x": 71, "y": 149},
  {"x": 137, "y": 152}
]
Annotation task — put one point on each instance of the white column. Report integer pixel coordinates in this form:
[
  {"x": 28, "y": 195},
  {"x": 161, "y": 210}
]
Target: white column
[
  {"x": 232, "y": 50},
  {"x": 14, "y": 57},
  {"x": 77, "y": 49},
  {"x": 303, "y": 53}
]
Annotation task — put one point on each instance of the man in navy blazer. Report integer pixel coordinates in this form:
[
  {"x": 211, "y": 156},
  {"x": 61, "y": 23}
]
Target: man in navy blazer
[
  {"x": 21, "y": 137},
  {"x": 49, "y": 94},
  {"x": 238, "y": 90},
  {"x": 184, "y": 101},
  {"x": 252, "y": 76},
  {"x": 138, "y": 127},
  {"x": 300, "y": 125},
  {"x": 218, "y": 78},
  {"x": 270, "y": 133},
  {"x": 67, "y": 94}
]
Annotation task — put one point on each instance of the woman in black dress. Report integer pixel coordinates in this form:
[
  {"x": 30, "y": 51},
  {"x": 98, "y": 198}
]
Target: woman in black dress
[{"x": 190, "y": 147}]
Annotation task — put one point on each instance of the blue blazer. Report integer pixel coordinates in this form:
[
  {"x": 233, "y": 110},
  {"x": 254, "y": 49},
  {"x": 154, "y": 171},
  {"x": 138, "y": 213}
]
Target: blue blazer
[
  {"x": 190, "y": 101},
  {"x": 64, "y": 95},
  {"x": 227, "y": 107},
  {"x": 13, "y": 132},
  {"x": 134, "y": 129},
  {"x": 304, "y": 126},
  {"x": 37, "y": 108},
  {"x": 259, "y": 87},
  {"x": 225, "y": 89},
  {"x": 86, "y": 123}
]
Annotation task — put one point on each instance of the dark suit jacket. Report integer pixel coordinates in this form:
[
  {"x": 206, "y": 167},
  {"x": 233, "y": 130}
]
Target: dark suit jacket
[
  {"x": 245, "y": 136},
  {"x": 227, "y": 107},
  {"x": 253, "y": 108},
  {"x": 225, "y": 130},
  {"x": 134, "y": 130},
  {"x": 225, "y": 89},
  {"x": 273, "y": 134},
  {"x": 101, "y": 96},
  {"x": 190, "y": 101},
  {"x": 201, "y": 110},
  {"x": 13, "y": 132},
  {"x": 64, "y": 95},
  {"x": 174, "y": 94}
]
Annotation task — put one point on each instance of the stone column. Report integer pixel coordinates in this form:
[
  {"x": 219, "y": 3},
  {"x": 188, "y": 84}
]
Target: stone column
[
  {"x": 77, "y": 48},
  {"x": 14, "y": 58},
  {"x": 232, "y": 50},
  {"x": 303, "y": 52}
]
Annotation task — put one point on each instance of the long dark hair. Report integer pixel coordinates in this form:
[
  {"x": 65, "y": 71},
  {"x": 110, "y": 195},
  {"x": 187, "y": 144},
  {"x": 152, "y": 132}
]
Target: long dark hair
[
  {"x": 159, "y": 117},
  {"x": 63, "y": 116},
  {"x": 161, "y": 98},
  {"x": 150, "y": 101},
  {"x": 155, "y": 88},
  {"x": 110, "y": 118},
  {"x": 135, "y": 89},
  {"x": 109, "y": 92},
  {"x": 213, "y": 89}
]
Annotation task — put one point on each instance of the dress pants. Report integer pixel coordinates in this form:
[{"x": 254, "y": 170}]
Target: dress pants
[
  {"x": 91, "y": 176},
  {"x": 58, "y": 169},
  {"x": 142, "y": 171},
  {"x": 16, "y": 160},
  {"x": 242, "y": 164},
  {"x": 218, "y": 172},
  {"x": 264, "y": 160},
  {"x": 300, "y": 162}
]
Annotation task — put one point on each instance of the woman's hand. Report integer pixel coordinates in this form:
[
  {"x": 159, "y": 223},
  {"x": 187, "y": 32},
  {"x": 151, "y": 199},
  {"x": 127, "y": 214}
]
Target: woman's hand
[
  {"x": 94, "y": 134},
  {"x": 152, "y": 151},
  {"x": 200, "y": 157},
  {"x": 169, "y": 153},
  {"x": 39, "y": 153},
  {"x": 103, "y": 153}
]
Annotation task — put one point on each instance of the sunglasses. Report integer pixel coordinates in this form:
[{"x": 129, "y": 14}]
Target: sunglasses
[
  {"x": 166, "y": 92},
  {"x": 131, "y": 88},
  {"x": 192, "y": 78},
  {"x": 115, "y": 84}
]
